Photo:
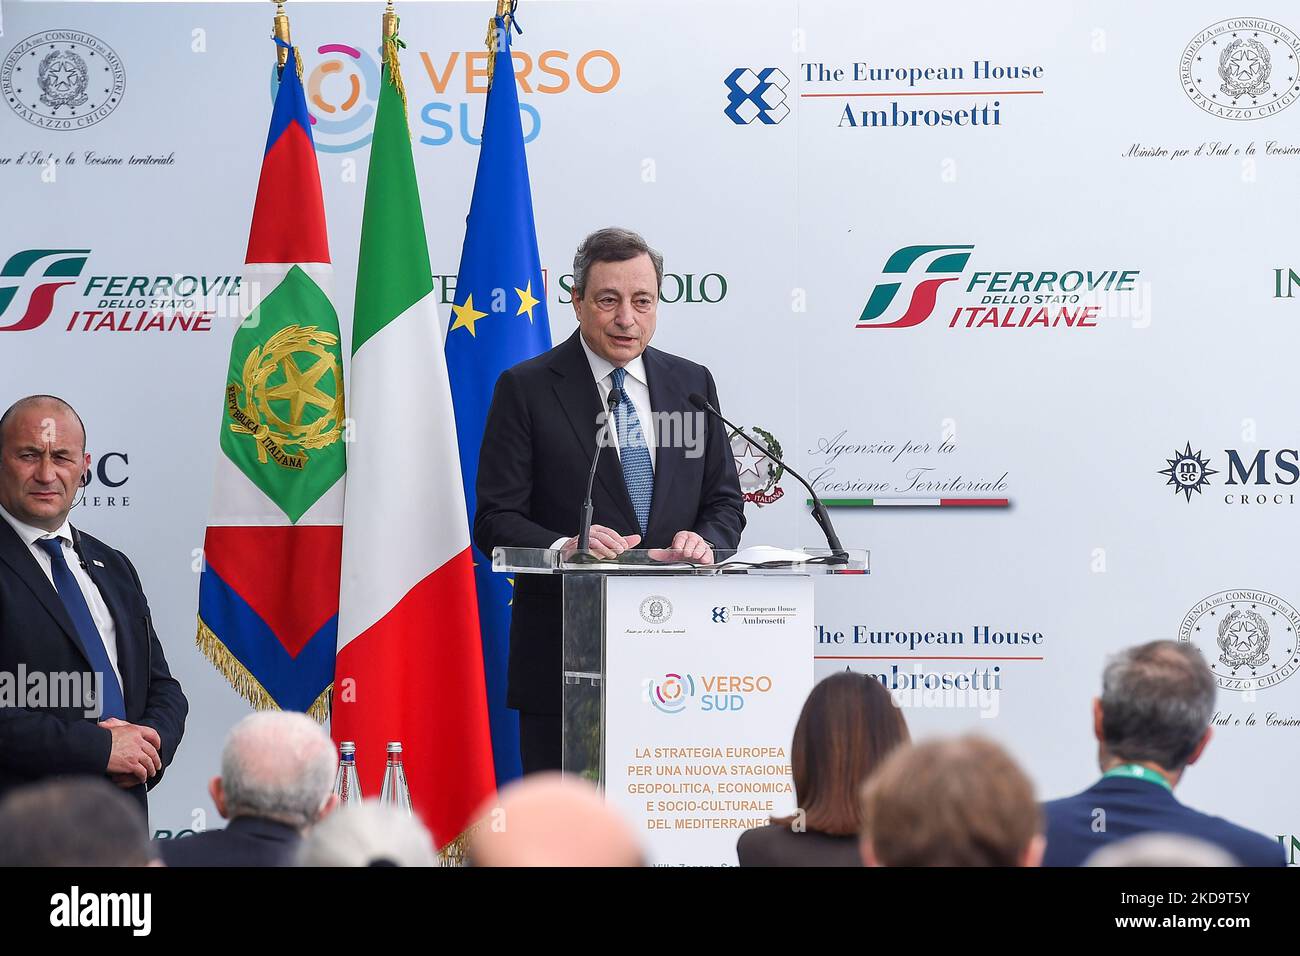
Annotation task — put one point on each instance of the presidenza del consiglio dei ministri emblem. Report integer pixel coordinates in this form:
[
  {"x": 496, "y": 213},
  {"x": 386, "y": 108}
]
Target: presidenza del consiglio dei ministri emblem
[
  {"x": 62, "y": 79},
  {"x": 1242, "y": 69},
  {"x": 1247, "y": 637}
]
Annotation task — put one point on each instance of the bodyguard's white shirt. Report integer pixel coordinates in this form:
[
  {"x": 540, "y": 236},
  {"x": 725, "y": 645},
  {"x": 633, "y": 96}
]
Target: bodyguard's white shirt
[
  {"x": 94, "y": 600},
  {"x": 637, "y": 387}
]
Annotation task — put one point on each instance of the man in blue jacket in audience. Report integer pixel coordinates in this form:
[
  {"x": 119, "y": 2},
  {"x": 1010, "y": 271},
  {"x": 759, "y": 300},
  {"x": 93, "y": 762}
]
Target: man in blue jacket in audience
[{"x": 1152, "y": 721}]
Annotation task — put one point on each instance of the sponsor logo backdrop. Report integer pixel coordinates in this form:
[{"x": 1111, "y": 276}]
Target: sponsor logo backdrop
[{"x": 1030, "y": 259}]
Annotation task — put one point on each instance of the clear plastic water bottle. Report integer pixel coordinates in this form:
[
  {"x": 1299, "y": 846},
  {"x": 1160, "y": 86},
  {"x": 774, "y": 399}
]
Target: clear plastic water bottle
[
  {"x": 345, "y": 781},
  {"x": 395, "y": 793}
]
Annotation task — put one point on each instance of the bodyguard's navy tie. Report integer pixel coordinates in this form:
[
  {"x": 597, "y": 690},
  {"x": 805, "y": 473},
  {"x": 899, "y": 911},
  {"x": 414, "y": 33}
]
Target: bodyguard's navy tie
[
  {"x": 74, "y": 602},
  {"x": 633, "y": 453}
]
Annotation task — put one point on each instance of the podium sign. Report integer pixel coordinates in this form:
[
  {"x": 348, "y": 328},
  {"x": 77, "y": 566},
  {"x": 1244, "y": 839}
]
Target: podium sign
[{"x": 704, "y": 681}]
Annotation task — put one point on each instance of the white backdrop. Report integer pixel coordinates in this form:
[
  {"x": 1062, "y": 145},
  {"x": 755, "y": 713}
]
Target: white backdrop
[{"x": 1078, "y": 148}]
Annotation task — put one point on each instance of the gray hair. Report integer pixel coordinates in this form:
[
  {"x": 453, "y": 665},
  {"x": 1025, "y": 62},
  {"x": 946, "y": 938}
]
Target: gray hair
[
  {"x": 368, "y": 834},
  {"x": 1156, "y": 702},
  {"x": 73, "y": 821},
  {"x": 611, "y": 244},
  {"x": 1161, "y": 849},
  {"x": 278, "y": 765}
]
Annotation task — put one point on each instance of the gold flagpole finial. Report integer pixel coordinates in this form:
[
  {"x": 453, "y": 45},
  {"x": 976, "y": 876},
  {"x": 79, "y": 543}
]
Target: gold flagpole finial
[
  {"x": 493, "y": 40},
  {"x": 281, "y": 31},
  {"x": 390, "y": 44},
  {"x": 390, "y": 22}
]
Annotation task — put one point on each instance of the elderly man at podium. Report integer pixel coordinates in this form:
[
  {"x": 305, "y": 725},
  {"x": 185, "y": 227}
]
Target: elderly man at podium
[{"x": 673, "y": 488}]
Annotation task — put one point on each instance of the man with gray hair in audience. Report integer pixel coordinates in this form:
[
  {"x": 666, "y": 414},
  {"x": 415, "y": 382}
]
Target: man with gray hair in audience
[
  {"x": 1152, "y": 721},
  {"x": 277, "y": 777}
]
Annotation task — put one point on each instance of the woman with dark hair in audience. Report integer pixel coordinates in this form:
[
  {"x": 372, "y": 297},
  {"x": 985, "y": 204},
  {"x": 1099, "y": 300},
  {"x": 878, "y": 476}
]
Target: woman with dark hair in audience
[{"x": 849, "y": 724}]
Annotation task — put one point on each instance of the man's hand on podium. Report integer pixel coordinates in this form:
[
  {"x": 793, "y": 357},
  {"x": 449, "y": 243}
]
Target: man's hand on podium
[
  {"x": 605, "y": 543},
  {"x": 686, "y": 546}
]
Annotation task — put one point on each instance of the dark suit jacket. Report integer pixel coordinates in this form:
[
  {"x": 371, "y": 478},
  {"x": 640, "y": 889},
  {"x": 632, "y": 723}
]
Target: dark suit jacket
[
  {"x": 537, "y": 449},
  {"x": 1137, "y": 806},
  {"x": 246, "y": 841},
  {"x": 36, "y": 632},
  {"x": 775, "y": 845}
]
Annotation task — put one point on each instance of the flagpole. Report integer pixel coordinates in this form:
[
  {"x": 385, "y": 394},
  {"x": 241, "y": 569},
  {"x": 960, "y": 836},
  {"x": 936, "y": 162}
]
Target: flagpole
[
  {"x": 504, "y": 17},
  {"x": 280, "y": 29},
  {"x": 389, "y": 43}
]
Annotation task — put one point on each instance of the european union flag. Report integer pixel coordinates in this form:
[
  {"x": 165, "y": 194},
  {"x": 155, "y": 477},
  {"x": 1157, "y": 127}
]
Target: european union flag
[{"x": 499, "y": 319}]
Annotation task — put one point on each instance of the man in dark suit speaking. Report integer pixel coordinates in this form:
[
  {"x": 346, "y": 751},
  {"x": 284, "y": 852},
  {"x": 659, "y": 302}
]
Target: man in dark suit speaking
[
  {"x": 672, "y": 482},
  {"x": 72, "y": 611}
]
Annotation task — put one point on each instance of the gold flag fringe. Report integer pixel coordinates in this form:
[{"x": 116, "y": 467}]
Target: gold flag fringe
[
  {"x": 244, "y": 683},
  {"x": 454, "y": 853}
]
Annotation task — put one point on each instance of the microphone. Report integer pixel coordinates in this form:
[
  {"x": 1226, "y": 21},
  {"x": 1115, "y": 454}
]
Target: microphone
[
  {"x": 584, "y": 528},
  {"x": 820, "y": 514},
  {"x": 76, "y": 548}
]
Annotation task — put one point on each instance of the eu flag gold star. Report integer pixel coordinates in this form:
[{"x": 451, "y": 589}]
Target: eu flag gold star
[
  {"x": 466, "y": 316},
  {"x": 526, "y": 301}
]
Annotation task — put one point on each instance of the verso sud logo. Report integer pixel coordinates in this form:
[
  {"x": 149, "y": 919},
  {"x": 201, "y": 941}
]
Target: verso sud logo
[
  {"x": 62, "y": 79},
  {"x": 343, "y": 91},
  {"x": 756, "y": 96},
  {"x": 1189, "y": 472},
  {"x": 908, "y": 292},
  {"x": 715, "y": 693}
]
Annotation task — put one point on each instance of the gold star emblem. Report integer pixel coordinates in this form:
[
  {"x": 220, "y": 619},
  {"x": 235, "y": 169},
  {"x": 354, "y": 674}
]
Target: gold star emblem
[
  {"x": 526, "y": 301},
  {"x": 466, "y": 316},
  {"x": 299, "y": 387}
]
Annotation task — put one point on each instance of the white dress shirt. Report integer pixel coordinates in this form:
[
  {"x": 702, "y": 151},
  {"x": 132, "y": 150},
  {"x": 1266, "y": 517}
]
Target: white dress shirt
[
  {"x": 94, "y": 600},
  {"x": 637, "y": 387}
]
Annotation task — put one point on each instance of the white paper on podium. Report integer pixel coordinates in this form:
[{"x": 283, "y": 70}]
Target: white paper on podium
[{"x": 762, "y": 553}]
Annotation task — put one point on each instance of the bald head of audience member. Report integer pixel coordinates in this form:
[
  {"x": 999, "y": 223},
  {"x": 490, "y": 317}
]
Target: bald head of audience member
[
  {"x": 76, "y": 821},
  {"x": 276, "y": 765},
  {"x": 961, "y": 802},
  {"x": 552, "y": 819},
  {"x": 369, "y": 834}
]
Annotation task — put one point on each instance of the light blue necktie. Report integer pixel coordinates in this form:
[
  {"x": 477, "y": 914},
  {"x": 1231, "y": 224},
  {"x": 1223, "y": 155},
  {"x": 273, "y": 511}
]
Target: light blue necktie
[
  {"x": 74, "y": 602},
  {"x": 638, "y": 473}
]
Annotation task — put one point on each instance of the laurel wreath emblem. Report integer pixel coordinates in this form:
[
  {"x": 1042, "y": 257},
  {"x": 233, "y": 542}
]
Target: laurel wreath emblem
[{"x": 261, "y": 421}]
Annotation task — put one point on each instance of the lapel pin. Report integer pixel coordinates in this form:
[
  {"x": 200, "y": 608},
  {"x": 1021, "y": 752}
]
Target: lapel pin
[{"x": 96, "y": 562}]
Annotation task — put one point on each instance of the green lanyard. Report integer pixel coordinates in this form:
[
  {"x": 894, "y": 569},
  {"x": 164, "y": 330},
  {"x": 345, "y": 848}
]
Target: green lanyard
[{"x": 1135, "y": 771}]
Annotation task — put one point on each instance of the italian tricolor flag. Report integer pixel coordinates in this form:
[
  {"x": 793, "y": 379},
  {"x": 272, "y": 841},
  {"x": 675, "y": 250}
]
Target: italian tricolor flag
[{"x": 409, "y": 666}]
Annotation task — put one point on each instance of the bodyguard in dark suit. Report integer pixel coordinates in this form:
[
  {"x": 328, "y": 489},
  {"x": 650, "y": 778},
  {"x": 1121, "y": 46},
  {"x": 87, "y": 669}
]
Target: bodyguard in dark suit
[
  {"x": 72, "y": 609},
  {"x": 669, "y": 482},
  {"x": 1152, "y": 721}
]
